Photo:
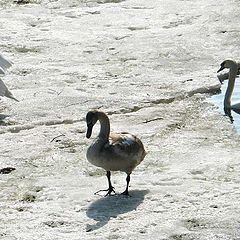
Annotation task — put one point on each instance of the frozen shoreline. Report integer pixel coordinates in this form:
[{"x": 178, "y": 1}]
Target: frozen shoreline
[{"x": 150, "y": 65}]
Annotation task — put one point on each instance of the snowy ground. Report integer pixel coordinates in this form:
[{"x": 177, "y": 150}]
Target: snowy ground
[{"x": 151, "y": 65}]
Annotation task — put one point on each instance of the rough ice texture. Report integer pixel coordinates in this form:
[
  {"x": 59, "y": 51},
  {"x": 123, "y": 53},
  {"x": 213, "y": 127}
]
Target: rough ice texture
[{"x": 151, "y": 66}]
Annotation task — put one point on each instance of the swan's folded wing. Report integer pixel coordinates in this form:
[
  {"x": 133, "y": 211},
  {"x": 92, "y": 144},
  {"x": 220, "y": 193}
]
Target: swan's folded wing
[
  {"x": 125, "y": 144},
  {"x": 5, "y": 92}
]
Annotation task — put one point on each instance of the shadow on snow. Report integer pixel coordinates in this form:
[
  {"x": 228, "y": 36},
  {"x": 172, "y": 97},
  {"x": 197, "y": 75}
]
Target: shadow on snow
[{"x": 102, "y": 210}]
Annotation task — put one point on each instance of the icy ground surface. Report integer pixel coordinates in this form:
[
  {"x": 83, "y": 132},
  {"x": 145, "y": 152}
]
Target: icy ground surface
[{"x": 151, "y": 65}]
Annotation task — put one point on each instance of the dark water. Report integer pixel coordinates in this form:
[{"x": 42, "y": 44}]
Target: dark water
[{"x": 219, "y": 98}]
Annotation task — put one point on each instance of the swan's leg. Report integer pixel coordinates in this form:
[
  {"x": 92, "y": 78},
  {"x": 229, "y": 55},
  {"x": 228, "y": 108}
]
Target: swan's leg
[
  {"x": 126, "y": 191},
  {"x": 110, "y": 187}
]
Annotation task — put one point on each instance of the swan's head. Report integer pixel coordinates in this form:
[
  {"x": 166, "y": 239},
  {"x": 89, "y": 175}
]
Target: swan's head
[
  {"x": 91, "y": 119},
  {"x": 227, "y": 64}
]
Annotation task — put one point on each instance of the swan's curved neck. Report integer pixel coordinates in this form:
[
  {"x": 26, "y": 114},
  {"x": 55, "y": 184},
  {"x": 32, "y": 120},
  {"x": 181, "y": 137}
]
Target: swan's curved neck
[
  {"x": 105, "y": 126},
  {"x": 232, "y": 76}
]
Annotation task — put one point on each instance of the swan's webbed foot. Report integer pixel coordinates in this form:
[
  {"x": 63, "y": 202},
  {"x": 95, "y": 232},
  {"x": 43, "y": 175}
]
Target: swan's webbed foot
[
  {"x": 109, "y": 191},
  {"x": 126, "y": 193},
  {"x": 110, "y": 187}
]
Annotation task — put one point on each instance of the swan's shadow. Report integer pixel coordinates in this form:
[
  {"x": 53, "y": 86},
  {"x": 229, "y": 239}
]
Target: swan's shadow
[{"x": 109, "y": 207}]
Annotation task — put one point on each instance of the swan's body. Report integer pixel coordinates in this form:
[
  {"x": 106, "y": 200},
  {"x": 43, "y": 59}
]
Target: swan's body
[
  {"x": 233, "y": 71},
  {"x": 4, "y": 65},
  {"x": 113, "y": 151}
]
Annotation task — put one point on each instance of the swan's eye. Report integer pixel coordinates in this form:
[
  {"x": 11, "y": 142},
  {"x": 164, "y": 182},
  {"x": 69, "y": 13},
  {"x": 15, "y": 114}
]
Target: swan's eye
[
  {"x": 91, "y": 117},
  {"x": 223, "y": 64}
]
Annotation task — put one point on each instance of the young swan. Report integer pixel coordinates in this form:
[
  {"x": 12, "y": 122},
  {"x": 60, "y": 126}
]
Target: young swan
[
  {"x": 113, "y": 151},
  {"x": 233, "y": 71}
]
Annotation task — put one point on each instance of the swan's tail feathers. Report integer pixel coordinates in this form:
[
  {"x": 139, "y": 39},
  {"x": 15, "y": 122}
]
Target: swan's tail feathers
[
  {"x": 4, "y": 64},
  {"x": 5, "y": 92}
]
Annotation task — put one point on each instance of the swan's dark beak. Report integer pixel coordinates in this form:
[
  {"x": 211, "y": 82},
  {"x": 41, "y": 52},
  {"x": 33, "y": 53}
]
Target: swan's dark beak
[
  {"x": 220, "y": 69},
  {"x": 89, "y": 130}
]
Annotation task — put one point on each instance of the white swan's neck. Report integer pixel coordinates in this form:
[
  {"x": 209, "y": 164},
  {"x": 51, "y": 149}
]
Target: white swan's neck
[
  {"x": 232, "y": 77},
  {"x": 105, "y": 126}
]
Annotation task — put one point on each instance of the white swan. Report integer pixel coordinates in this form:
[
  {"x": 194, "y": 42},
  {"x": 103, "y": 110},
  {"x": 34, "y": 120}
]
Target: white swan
[
  {"x": 4, "y": 65},
  {"x": 234, "y": 68},
  {"x": 113, "y": 151}
]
